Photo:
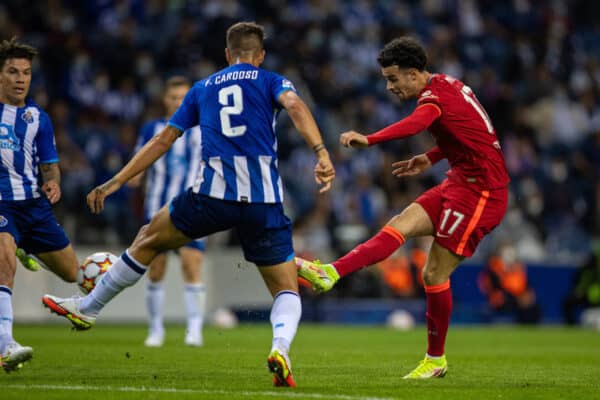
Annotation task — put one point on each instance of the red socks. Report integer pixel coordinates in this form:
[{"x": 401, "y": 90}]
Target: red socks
[
  {"x": 439, "y": 307},
  {"x": 376, "y": 249}
]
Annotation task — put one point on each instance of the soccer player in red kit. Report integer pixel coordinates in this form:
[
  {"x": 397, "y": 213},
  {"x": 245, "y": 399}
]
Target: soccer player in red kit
[{"x": 458, "y": 213}]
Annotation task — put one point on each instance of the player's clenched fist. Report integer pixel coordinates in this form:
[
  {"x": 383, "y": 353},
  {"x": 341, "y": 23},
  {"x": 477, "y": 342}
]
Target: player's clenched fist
[
  {"x": 324, "y": 173},
  {"x": 52, "y": 191}
]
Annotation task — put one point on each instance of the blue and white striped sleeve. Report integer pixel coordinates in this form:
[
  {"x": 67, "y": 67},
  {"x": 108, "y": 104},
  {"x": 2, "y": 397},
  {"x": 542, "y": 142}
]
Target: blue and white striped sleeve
[{"x": 46, "y": 145}]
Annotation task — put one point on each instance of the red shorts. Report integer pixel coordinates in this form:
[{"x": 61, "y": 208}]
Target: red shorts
[{"x": 463, "y": 215}]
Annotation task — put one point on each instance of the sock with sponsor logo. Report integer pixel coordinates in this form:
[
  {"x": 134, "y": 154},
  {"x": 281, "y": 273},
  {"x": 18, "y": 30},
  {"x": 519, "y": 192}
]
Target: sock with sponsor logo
[
  {"x": 439, "y": 307},
  {"x": 285, "y": 316}
]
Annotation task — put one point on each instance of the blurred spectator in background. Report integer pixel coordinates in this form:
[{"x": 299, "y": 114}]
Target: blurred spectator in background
[
  {"x": 402, "y": 272},
  {"x": 504, "y": 282},
  {"x": 586, "y": 289}
]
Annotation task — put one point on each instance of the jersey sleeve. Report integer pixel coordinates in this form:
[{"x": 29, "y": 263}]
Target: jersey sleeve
[
  {"x": 278, "y": 85},
  {"x": 435, "y": 155},
  {"x": 46, "y": 145},
  {"x": 144, "y": 136},
  {"x": 418, "y": 121},
  {"x": 187, "y": 114},
  {"x": 429, "y": 96}
]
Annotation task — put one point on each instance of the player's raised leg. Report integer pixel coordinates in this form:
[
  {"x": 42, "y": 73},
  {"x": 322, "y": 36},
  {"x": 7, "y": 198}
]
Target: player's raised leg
[
  {"x": 282, "y": 281},
  {"x": 194, "y": 294},
  {"x": 412, "y": 222},
  {"x": 155, "y": 298},
  {"x": 441, "y": 262},
  {"x": 62, "y": 262},
  {"x": 156, "y": 237}
]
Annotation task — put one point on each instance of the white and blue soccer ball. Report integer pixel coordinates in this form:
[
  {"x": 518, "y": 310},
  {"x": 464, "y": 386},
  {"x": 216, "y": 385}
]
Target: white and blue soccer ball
[{"x": 93, "y": 269}]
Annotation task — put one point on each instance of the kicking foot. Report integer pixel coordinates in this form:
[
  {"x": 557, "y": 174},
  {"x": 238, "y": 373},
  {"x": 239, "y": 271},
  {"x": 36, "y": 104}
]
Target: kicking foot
[
  {"x": 322, "y": 277},
  {"x": 69, "y": 308}
]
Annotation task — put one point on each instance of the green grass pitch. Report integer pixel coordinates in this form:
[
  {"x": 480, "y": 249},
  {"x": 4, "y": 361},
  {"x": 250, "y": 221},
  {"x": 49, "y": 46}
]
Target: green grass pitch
[{"x": 329, "y": 362}]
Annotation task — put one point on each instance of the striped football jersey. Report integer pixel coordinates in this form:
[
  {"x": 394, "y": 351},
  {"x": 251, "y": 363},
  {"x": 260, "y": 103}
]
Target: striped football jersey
[
  {"x": 236, "y": 109},
  {"x": 26, "y": 140}
]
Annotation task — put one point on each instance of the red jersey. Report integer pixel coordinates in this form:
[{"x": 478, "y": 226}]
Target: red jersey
[{"x": 465, "y": 134}]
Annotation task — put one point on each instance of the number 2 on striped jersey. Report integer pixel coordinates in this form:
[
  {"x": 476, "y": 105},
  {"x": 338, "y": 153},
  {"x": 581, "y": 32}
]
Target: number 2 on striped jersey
[{"x": 235, "y": 93}]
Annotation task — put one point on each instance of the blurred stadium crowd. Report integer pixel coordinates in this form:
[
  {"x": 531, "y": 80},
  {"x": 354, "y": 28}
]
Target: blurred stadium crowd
[{"x": 535, "y": 66}]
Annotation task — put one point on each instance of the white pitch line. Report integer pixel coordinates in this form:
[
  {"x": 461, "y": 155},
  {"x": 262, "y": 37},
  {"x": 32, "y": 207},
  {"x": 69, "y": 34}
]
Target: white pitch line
[{"x": 192, "y": 391}]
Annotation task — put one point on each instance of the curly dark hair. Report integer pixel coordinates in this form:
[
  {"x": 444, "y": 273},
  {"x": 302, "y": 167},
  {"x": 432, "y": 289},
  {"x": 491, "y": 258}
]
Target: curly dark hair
[
  {"x": 13, "y": 49},
  {"x": 405, "y": 52}
]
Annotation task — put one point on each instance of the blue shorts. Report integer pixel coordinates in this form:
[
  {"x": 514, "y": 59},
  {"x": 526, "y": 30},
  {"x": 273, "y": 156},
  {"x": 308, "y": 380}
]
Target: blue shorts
[
  {"x": 263, "y": 229},
  {"x": 33, "y": 225},
  {"x": 197, "y": 244}
]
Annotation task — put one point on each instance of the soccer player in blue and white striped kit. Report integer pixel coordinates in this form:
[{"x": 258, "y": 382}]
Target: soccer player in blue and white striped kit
[
  {"x": 170, "y": 175},
  {"x": 29, "y": 184},
  {"x": 238, "y": 186}
]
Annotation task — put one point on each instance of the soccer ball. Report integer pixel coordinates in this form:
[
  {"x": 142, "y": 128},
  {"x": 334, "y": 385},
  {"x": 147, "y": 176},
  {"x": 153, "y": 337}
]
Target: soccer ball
[{"x": 93, "y": 269}]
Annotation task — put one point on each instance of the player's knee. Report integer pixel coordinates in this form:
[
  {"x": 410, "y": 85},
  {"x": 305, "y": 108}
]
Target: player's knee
[
  {"x": 142, "y": 239},
  {"x": 142, "y": 234},
  {"x": 145, "y": 245},
  {"x": 430, "y": 275}
]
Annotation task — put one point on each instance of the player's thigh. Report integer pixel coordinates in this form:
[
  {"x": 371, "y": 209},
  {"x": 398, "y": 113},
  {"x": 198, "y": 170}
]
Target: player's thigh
[
  {"x": 62, "y": 262},
  {"x": 156, "y": 237},
  {"x": 191, "y": 263},
  {"x": 197, "y": 215},
  {"x": 413, "y": 221},
  {"x": 279, "y": 277},
  {"x": 158, "y": 268},
  {"x": 8, "y": 260},
  {"x": 440, "y": 264}
]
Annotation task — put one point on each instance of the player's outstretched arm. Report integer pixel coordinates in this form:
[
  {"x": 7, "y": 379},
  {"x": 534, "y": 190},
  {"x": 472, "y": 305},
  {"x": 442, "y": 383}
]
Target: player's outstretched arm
[
  {"x": 305, "y": 124},
  {"x": 420, "y": 119},
  {"x": 147, "y": 155},
  {"x": 51, "y": 181}
]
